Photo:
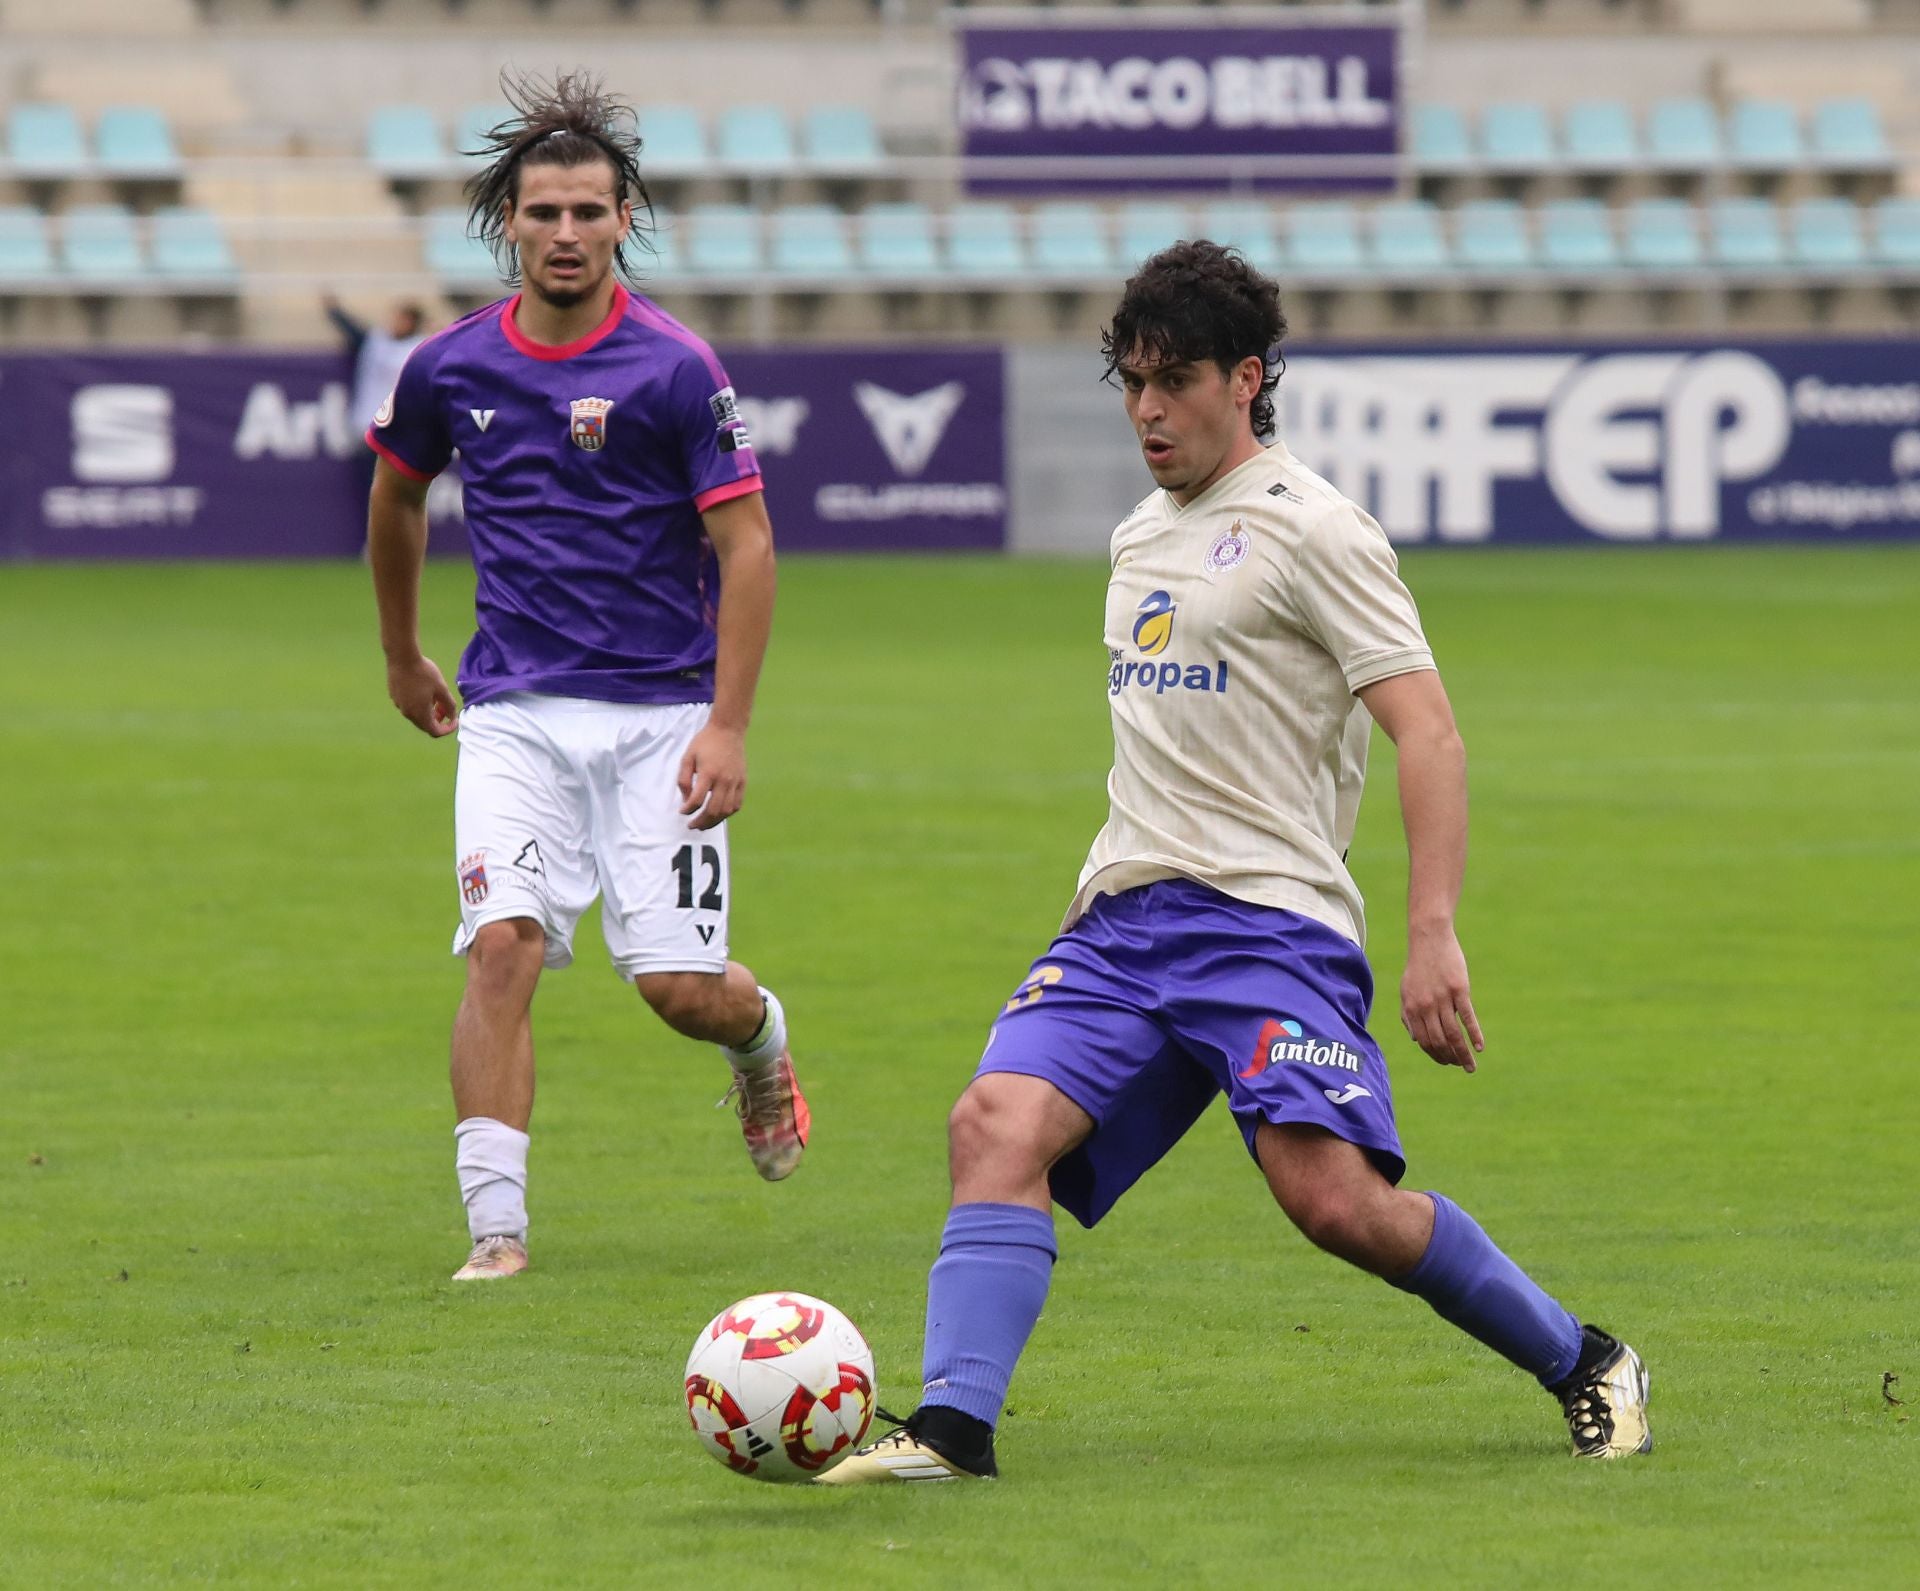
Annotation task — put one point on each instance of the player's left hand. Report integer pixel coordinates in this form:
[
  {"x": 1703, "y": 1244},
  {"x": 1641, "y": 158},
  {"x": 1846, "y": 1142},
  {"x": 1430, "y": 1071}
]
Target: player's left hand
[
  {"x": 713, "y": 776},
  {"x": 1436, "y": 1005}
]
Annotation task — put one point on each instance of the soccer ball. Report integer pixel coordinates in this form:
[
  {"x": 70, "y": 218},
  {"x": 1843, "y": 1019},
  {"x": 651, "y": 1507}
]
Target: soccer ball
[{"x": 780, "y": 1386}]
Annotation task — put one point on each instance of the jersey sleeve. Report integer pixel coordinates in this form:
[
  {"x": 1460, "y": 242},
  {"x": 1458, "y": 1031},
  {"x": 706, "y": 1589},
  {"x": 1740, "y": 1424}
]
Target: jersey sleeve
[
  {"x": 1351, "y": 599},
  {"x": 714, "y": 444},
  {"x": 409, "y": 430}
]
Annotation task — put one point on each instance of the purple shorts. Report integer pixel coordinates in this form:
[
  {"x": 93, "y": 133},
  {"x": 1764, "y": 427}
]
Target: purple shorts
[{"x": 1164, "y": 996}]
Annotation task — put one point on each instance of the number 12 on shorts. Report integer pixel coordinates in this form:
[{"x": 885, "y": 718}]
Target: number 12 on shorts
[{"x": 684, "y": 865}]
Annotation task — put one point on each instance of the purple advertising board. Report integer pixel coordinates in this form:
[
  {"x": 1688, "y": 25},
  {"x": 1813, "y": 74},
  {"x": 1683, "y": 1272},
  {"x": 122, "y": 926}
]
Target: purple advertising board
[
  {"x": 254, "y": 455},
  {"x": 1114, "y": 102}
]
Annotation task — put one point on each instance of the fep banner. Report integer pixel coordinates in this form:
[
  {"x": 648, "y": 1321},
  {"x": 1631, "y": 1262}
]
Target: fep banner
[
  {"x": 1113, "y": 102},
  {"x": 1790, "y": 440},
  {"x": 252, "y": 455}
]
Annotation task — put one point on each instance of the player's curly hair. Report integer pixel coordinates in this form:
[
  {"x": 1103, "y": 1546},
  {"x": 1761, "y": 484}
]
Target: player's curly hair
[
  {"x": 571, "y": 121},
  {"x": 1200, "y": 300}
]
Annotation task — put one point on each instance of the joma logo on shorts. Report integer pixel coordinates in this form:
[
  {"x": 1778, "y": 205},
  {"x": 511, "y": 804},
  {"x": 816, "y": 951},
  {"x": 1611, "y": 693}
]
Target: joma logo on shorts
[{"x": 1282, "y": 1040}]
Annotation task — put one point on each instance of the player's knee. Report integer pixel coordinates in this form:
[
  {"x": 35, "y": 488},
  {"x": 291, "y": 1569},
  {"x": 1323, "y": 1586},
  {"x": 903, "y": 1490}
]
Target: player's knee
[
  {"x": 1335, "y": 1218},
  {"x": 504, "y": 960},
  {"x": 682, "y": 1000},
  {"x": 985, "y": 1134}
]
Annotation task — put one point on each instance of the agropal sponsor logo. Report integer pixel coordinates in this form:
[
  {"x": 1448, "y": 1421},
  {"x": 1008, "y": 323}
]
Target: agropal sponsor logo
[{"x": 1152, "y": 636}]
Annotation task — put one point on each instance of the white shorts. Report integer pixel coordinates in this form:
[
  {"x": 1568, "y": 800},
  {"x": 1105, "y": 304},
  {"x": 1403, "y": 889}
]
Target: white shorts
[{"x": 559, "y": 799}]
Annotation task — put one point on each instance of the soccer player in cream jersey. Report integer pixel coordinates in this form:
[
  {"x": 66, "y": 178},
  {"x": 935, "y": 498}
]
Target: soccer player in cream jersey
[
  {"x": 1256, "y": 627},
  {"x": 624, "y": 599}
]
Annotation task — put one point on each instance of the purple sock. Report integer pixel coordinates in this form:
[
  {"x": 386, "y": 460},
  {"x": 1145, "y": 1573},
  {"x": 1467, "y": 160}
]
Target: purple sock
[
  {"x": 1472, "y": 1284},
  {"x": 985, "y": 1292}
]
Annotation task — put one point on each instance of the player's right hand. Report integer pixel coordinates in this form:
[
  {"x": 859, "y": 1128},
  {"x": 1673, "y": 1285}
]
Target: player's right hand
[{"x": 419, "y": 690}]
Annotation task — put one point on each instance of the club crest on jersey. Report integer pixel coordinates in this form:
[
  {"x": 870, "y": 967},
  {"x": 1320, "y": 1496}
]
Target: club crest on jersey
[
  {"x": 1154, "y": 628},
  {"x": 473, "y": 878},
  {"x": 1229, "y": 549},
  {"x": 589, "y": 428}
]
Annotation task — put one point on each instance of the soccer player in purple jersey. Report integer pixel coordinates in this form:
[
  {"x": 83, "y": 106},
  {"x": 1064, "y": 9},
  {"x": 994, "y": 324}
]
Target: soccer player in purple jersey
[
  {"x": 1256, "y": 628},
  {"x": 625, "y": 593}
]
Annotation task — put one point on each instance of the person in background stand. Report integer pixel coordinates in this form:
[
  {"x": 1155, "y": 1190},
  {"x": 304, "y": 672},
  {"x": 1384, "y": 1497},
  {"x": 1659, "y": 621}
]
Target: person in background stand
[{"x": 377, "y": 357}]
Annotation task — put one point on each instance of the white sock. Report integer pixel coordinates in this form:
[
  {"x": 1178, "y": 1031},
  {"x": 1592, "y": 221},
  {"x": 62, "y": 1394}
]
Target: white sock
[
  {"x": 491, "y": 1159},
  {"x": 764, "y": 1046}
]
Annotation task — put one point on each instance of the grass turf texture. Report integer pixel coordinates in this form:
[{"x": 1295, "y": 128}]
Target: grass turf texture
[{"x": 228, "y": 1348}]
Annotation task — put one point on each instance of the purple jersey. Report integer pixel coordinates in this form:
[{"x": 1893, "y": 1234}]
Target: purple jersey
[{"x": 586, "y": 469}]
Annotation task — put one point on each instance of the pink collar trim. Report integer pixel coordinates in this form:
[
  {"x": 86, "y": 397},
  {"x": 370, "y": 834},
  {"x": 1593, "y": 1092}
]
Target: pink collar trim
[{"x": 533, "y": 350}]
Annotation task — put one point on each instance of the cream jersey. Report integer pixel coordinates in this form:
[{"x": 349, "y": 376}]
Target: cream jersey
[{"x": 1238, "y": 629}]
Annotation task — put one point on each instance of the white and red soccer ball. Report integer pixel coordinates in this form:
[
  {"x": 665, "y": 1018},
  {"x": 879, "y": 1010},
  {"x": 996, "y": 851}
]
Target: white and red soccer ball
[{"x": 780, "y": 1386}]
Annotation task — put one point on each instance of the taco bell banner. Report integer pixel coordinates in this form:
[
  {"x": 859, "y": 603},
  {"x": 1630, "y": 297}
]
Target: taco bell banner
[
  {"x": 1136, "y": 105},
  {"x": 253, "y": 455},
  {"x": 1590, "y": 443}
]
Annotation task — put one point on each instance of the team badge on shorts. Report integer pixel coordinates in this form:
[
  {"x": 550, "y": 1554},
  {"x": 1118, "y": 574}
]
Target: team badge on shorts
[
  {"x": 473, "y": 878},
  {"x": 1229, "y": 549},
  {"x": 589, "y": 428}
]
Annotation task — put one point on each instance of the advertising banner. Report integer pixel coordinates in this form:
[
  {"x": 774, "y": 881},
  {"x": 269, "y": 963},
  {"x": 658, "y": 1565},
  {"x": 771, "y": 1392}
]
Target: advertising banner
[
  {"x": 1791, "y": 440},
  {"x": 1131, "y": 104}
]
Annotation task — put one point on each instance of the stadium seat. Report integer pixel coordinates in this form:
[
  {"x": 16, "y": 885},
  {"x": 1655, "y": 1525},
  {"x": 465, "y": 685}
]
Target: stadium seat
[
  {"x": 1440, "y": 142},
  {"x": 673, "y": 140},
  {"x": 725, "y": 241},
  {"x": 1896, "y": 233},
  {"x": 25, "y": 251},
  {"x": 45, "y": 141},
  {"x": 983, "y": 240},
  {"x": 1070, "y": 239},
  {"x": 1577, "y": 235},
  {"x": 1683, "y": 135},
  {"x": 455, "y": 257},
  {"x": 1745, "y": 234},
  {"x": 1247, "y": 225},
  {"x": 1764, "y": 135},
  {"x": 135, "y": 141},
  {"x": 897, "y": 240},
  {"x": 1149, "y": 225},
  {"x": 99, "y": 242},
  {"x": 404, "y": 141},
  {"x": 1599, "y": 136},
  {"x": 1515, "y": 136},
  {"x": 1324, "y": 239},
  {"x": 1847, "y": 133},
  {"x": 471, "y": 126},
  {"x": 1826, "y": 235},
  {"x": 1407, "y": 239},
  {"x": 1490, "y": 235},
  {"x": 841, "y": 138},
  {"x": 663, "y": 257},
  {"x": 1663, "y": 235},
  {"x": 190, "y": 242},
  {"x": 756, "y": 140},
  {"x": 811, "y": 240}
]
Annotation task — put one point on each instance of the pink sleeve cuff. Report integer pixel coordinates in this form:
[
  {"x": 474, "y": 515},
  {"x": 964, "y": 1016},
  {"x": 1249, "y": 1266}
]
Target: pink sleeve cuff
[
  {"x": 725, "y": 494},
  {"x": 396, "y": 460}
]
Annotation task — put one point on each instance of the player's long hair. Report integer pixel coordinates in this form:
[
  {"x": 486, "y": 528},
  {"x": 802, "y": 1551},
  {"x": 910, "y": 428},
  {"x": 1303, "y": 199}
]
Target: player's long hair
[
  {"x": 1199, "y": 300},
  {"x": 572, "y": 121}
]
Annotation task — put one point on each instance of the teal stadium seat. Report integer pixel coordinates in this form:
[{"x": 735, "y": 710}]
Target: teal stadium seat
[
  {"x": 1149, "y": 225},
  {"x": 1896, "y": 233},
  {"x": 1490, "y": 236},
  {"x": 135, "y": 141},
  {"x": 897, "y": 239},
  {"x": 45, "y": 141},
  {"x": 404, "y": 141},
  {"x": 841, "y": 138},
  {"x": 1847, "y": 134},
  {"x": 756, "y": 140},
  {"x": 1323, "y": 239},
  {"x": 1408, "y": 240},
  {"x": 1598, "y": 136},
  {"x": 1577, "y": 235},
  {"x": 1516, "y": 136},
  {"x": 662, "y": 258},
  {"x": 1070, "y": 239},
  {"x": 100, "y": 243},
  {"x": 1683, "y": 135},
  {"x": 471, "y": 126},
  {"x": 1663, "y": 235},
  {"x": 1745, "y": 234},
  {"x": 983, "y": 241},
  {"x": 459, "y": 260},
  {"x": 725, "y": 241},
  {"x": 673, "y": 141},
  {"x": 811, "y": 240},
  {"x": 1764, "y": 135},
  {"x": 26, "y": 252},
  {"x": 1440, "y": 143},
  {"x": 191, "y": 243},
  {"x": 1825, "y": 235},
  {"x": 1249, "y": 226}
]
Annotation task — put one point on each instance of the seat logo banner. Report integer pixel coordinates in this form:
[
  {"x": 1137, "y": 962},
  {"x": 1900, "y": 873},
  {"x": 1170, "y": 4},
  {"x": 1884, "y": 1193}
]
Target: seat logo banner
[
  {"x": 1776, "y": 441},
  {"x": 1113, "y": 102}
]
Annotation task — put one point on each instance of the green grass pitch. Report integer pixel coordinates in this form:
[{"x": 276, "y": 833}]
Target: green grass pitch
[{"x": 229, "y": 1350}]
